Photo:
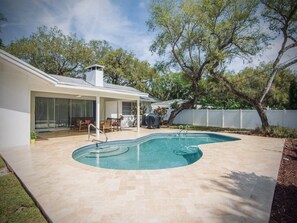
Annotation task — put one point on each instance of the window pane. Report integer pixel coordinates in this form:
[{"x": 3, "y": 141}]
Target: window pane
[
  {"x": 126, "y": 108},
  {"x": 89, "y": 108},
  {"x": 44, "y": 112},
  {"x": 78, "y": 108},
  {"x": 62, "y": 112}
]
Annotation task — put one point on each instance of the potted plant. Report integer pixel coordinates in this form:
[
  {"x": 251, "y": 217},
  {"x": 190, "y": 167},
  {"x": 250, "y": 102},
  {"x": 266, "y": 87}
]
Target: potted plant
[{"x": 33, "y": 136}]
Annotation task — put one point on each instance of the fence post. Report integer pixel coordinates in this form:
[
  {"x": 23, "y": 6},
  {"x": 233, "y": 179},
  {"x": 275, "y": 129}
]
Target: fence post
[
  {"x": 207, "y": 117},
  {"x": 223, "y": 118},
  {"x": 193, "y": 111},
  {"x": 284, "y": 117},
  {"x": 240, "y": 119}
]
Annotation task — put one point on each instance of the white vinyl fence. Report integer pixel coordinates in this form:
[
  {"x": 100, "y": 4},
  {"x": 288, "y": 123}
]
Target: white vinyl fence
[{"x": 241, "y": 119}]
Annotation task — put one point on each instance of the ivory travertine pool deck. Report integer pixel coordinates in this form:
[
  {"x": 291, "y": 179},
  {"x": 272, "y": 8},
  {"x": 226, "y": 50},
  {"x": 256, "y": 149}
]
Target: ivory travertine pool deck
[{"x": 232, "y": 182}]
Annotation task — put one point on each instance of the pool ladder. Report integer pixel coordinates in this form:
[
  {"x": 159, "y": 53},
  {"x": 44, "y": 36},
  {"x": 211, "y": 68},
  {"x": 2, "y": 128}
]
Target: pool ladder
[
  {"x": 182, "y": 128},
  {"x": 89, "y": 132}
]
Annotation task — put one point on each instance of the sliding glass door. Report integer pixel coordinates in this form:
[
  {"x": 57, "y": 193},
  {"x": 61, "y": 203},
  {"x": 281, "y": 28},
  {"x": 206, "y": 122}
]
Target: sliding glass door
[
  {"x": 57, "y": 112},
  {"x": 44, "y": 113},
  {"x": 62, "y": 116}
]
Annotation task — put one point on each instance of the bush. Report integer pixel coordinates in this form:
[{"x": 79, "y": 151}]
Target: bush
[
  {"x": 33, "y": 135},
  {"x": 277, "y": 132}
]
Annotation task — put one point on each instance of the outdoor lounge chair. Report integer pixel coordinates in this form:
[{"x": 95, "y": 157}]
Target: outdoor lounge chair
[{"x": 106, "y": 125}]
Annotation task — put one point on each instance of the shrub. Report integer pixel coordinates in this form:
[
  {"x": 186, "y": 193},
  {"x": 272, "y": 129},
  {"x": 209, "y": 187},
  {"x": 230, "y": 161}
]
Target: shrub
[{"x": 277, "y": 132}]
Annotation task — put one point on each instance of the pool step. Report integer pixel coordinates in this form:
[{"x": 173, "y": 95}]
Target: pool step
[
  {"x": 187, "y": 150},
  {"x": 107, "y": 152}
]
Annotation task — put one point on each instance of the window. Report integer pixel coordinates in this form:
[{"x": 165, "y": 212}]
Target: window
[{"x": 127, "y": 108}]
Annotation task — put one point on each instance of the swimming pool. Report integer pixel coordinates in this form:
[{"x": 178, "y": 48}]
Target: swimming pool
[{"x": 155, "y": 151}]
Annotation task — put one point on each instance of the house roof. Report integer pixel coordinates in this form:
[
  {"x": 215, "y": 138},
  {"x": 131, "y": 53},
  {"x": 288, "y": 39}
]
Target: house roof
[
  {"x": 167, "y": 104},
  {"x": 69, "y": 82},
  {"x": 148, "y": 99},
  {"x": 80, "y": 82}
]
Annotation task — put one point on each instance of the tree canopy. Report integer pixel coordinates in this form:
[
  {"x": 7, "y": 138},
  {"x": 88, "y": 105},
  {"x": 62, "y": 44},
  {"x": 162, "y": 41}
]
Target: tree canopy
[
  {"x": 200, "y": 36},
  {"x": 2, "y": 19},
  {"x": 169, "y": 86},
  {"x": 281, "y": 18},
  {"x": 56, "y": 53},
  {"x": 123, "y": 68},
  {"x": 52, "y": 52},
  {"x": 215, "y": 94}
]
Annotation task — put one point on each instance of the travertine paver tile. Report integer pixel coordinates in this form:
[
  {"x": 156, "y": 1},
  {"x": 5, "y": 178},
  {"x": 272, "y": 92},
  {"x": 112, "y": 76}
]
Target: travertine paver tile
[{"x": 232, "y": 182}]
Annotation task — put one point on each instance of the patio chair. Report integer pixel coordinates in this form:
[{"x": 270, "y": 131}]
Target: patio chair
[
  {"x": 106, "y": 126},
  {"x": 116, "y": 123}
]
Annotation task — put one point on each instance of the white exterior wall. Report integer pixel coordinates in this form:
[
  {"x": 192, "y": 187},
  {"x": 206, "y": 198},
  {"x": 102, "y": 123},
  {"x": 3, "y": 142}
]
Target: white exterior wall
[
  {"x": 112, "y": 109},
  {"x": 14, "y": 106},
  {"x": 245, "y": 119}
]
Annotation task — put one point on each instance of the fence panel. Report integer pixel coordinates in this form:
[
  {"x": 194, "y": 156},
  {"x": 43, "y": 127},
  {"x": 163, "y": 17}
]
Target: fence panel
[
  {"x": 290, "y": 119},
  {"x": 232, "y": 118},
  {"x": 250, "y": 119},
  {"x": 184, "y": 117},
  {"x": 246, "y": 119},
  {"x": 199, "y": 117},
  {"x": 215, "y": 118},
  {"x": 275, "y": 117}
]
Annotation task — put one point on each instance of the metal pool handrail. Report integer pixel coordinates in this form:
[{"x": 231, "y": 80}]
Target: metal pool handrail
[
  {"x": 89, "y": 131},
  {"x": 182, "y": 128}
]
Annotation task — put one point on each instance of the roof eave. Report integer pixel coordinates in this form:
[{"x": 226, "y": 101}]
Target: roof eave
[
  {"x": 100, "y": 90},
  {"x": 27, "y": 67}
]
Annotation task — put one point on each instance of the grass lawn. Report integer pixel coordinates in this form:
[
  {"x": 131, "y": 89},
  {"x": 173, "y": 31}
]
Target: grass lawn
[{"x": 15, "y": 204}]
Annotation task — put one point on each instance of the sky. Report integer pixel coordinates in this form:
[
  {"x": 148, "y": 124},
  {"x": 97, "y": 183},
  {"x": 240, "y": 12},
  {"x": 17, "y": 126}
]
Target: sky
[{"x": 122, "y": 23}]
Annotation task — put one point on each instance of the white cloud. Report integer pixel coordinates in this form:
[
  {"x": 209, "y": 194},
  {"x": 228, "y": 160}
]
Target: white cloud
[{"x": 90, "y": 19}]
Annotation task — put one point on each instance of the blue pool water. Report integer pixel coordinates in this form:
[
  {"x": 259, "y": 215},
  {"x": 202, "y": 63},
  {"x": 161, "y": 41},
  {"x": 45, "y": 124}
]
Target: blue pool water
[{"x": 155, "y": 151}]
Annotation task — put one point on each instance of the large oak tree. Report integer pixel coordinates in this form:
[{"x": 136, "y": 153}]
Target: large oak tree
[{"x": 203, "y": 36}]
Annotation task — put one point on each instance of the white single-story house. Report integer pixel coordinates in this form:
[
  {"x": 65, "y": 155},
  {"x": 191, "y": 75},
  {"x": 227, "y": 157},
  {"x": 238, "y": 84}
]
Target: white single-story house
[{"x": 31, "y": 99}]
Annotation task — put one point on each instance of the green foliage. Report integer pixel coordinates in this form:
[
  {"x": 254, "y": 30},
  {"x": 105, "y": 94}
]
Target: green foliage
[
  {"x": 170, "y": 86},
  {"x": 160, "y": 111},
  {"x": 200, "y": 34},
  {"x": 142, "y": 109},
  {"x": 174, "y": 105},
  {"x": 279, "y": 13},
  {"x": 293, "y": 94},
  {"x": 250, "y": 81},
  {"x": 15, "y": 203},
  {"x": 200, "y": 37},
  {"x": 276, "y": 131},
  {"x": 52, "y": 52},
  {"x": 215, "y": 95},
  {"x": 33, "y": 135},
  {"x": 122, "y": 68},
  {"x": 2, "y": 19},
  {"x": 56, "y": 53},
  {"x": 99, "y": 49},
  {"x": 2, "y": 163}
]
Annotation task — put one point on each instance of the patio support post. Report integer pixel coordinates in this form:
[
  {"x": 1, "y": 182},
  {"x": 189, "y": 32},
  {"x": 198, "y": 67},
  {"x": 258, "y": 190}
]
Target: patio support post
[
  {"x": 138, "y": 115},
  {"x": 97, "y": 117}
]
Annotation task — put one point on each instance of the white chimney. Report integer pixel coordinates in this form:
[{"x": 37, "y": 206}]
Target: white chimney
[{"x": 94, "y": 75}]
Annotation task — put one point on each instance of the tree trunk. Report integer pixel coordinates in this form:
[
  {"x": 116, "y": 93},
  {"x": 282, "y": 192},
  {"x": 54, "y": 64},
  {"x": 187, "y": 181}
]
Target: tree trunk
[
  {"x": 254, "y": 102},
  {"x": 176, "y": 111},
  {"x": 263, "y": 116}
]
